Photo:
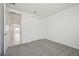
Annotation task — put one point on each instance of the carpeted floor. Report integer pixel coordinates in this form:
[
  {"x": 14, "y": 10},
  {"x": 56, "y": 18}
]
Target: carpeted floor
[{"x": 42, "y": 48}]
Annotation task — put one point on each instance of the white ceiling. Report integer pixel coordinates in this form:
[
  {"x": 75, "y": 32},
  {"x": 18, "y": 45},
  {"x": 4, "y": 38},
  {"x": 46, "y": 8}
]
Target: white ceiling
[{"x": 43, "y": 9}]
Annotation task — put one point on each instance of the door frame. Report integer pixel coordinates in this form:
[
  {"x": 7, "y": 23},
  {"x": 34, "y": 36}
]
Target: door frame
[{"x": 17, "y": 12}]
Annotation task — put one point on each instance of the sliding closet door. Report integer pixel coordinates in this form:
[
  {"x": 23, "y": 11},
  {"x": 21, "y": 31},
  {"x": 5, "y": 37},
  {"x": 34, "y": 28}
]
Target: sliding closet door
[{"x": 15, "y": 29}]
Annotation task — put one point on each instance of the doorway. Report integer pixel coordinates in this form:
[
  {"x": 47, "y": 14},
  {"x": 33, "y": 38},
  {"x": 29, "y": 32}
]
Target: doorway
[{"x": 15, "y": 29}]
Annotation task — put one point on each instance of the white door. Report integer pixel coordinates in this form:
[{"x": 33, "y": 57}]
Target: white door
[
  {"x": 6, "y": 30},
  {"x": 12, "y": 32}
]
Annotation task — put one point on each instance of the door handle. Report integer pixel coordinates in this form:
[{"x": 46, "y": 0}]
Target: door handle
[{"x": 5, "y": 33}]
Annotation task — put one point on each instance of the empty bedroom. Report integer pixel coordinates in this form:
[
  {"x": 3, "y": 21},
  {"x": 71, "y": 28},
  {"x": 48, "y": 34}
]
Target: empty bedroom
[{"x": 41, "y": 29}]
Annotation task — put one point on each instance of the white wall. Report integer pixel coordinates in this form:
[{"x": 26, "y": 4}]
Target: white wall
[
  {"x": 1, "y": 27},
  {"x": 63, "y": 27},
  {"x": 32, "y": 28}
]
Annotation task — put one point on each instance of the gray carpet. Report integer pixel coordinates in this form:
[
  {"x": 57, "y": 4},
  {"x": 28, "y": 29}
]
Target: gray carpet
[{"x": 42, "y": 48}]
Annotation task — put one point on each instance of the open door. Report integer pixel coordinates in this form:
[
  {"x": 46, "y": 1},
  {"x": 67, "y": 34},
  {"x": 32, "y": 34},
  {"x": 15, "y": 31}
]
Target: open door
[
  {"x": 6, "y": 29},
  {"x": 12, "y": 29}
]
